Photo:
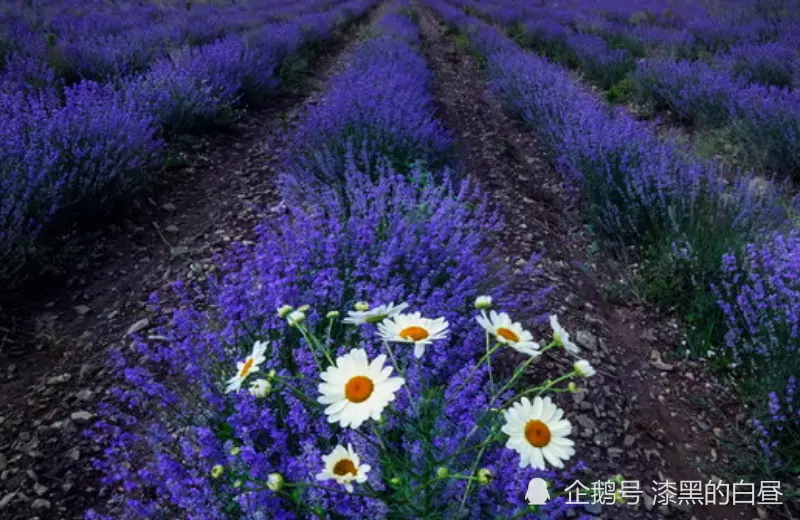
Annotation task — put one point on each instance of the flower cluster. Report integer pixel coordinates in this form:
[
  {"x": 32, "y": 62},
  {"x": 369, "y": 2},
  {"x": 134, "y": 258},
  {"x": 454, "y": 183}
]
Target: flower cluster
[{"x": 248, "y": 399}]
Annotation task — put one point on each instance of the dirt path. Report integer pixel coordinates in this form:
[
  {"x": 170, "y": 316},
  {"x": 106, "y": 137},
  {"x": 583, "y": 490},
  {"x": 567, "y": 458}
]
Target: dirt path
[
  {"x": 639, "y": 415},
  {"x": 54, "y": 344}
]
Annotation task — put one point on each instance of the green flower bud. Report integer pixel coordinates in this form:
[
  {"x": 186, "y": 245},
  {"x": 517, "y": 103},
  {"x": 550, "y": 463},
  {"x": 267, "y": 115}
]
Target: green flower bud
[
  {"x": 235, "y": 450},
  {"x": 362, "y": 306},
  {"x": 284, "y": 311},
  {"x": 304, "y": 308},
  {"x": 442, "y": 472},
  {"x": 275, "y": 482},
  {"x": 483, "y": 302},
  {"x": 395, "y": 481},
  {"x": 217, "y": 471},
  {"x": 296, "y": 318},
  {"x": 332, "y": 315},
  {"x": 484, "y": 476}
]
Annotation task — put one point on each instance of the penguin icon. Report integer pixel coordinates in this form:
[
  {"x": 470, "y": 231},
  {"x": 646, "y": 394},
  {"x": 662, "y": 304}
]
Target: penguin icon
[{"x": 537, "y": 494}]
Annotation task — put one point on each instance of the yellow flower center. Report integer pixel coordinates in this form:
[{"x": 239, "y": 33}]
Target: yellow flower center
[
  {"x": 358, "y": 389},
  {"x": 537, "y": 433},
  {"x": 414, "y": 333},
  {"x": 507, "y": 334},
  {"x": 248, "y": 364},
  {"x": 343, "y": 467}
]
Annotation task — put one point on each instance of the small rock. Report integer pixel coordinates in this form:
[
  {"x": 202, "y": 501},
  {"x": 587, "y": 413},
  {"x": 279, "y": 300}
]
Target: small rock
[
  {"x": 40, "y": 489},
  {"x": 138, "y": 326},
  {"x": 586, "y": 422},
  {"x": 7, "y": 498},
  {"x": 648, "y": 501},
  {"x": 169, "y": 206},
  {"x": 172, "y": 228},
  {"x": 74, "y": 454},
  {"x": 629, "y": 441},
  {"x": 84, "y": 395},
  {"x": 3, "y": 462},
  {"x": 586, "y": 339},
  {"x": 83, "y": 310},
  {"x": 55, "y": 380},
  {"x": 40, "y": 503},
  {"x": 658, "y": 363},
  {"x": 663, "y": 510},
  {"x": 81, "y": 417}
]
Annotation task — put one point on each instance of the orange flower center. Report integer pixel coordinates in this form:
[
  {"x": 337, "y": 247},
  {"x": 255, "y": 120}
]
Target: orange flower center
[
  {"x": 248, "y": 364},
  {"x": 358, "y": 389},
  {"x": 414, "y": 333},
  {"x": 507, "y": 334},
  {"x": 343, "y": 467},
  {"x": 537, "y": 433}
]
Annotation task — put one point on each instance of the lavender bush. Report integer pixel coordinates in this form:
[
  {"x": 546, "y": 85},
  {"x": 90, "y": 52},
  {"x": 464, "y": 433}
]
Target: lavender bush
[{"x": 760, "y": 298}]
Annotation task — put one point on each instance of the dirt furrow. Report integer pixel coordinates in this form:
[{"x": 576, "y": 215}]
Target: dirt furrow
[{"x": 641, "y": 415}]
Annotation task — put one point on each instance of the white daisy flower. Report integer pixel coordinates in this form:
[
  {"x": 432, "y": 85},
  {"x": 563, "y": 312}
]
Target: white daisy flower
[
  {"x": 260, "y": 388},
  {"x": 344, "y": 466},
  {"x": 413, "y": 328},
  {"x": 537, "y": 432},
  {"x": 584, "y": 368},
  {"x": 561, "y": 336},
  {"x": 511, "y": 334},
  {"x": 483, "y": 302},
  {"x": 356, "y": 389},
  {"x": 248, "y": 366},
  {"x": 376, "y": 315}
]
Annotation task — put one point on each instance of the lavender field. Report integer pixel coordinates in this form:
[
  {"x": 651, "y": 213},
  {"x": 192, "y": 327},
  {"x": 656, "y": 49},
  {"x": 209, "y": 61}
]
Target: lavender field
[{"x": 398, "y": 259}]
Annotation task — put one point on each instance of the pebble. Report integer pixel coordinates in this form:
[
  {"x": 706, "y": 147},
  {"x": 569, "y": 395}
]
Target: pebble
[
  {"x": 81, "y": 417},
  {"x": 138, "y": 326},
  {"x": 40, "y": 503},
  {"x": 172, "y": 228},
  {"x": 586, "y": 339},
  {"x": 7, "y": 498},
  {"x": 169, "y": 206},
  {"x": 83, "y": 310}
]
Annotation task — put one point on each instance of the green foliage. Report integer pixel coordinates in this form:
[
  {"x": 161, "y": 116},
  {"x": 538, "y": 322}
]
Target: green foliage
[{"x": 621, "y": 92}]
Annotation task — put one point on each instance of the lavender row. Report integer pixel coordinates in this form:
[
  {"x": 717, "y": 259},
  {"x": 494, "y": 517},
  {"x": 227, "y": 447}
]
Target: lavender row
[
  {"x": 59, "y": 159},
  {"x": 120, "y": 40},
  {"x": 358, "y": 230},
  {"x": 689, "y": 226},
  {"x": 745, "y": 90}
]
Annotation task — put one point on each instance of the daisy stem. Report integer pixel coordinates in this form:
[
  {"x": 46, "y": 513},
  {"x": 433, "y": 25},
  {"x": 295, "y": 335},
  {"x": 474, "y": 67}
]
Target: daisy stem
[
  {"x": 489, "y": 364},
  {"x": 487, "y": 356},
  {"x": 541, "y": 389},
  {"x": 299, "y": 393},
  {"x": 472, "y": 471},
  {"x": 402, "y": 373},
  {"x": 315, "y": 344}
]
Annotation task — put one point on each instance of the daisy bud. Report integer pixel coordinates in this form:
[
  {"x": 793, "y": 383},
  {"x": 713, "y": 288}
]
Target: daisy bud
[
  {"x": 271, "y": 374},
  {"x": 583, "y": 368},
  {"x": 217, "y": 471},
  {"x": 296, "y": 318},
  {"x": 395, "y": 481},
  {"x": 483, "y": 302},
  {"x": 235, "y": 450},
  {"x": 275, "y": 482},
  {"x": 572, "y": 387},
  {"x": 484, "y": 476},
  {"x": 284, "y": 310},
  {"x": 304, "y": 308},
  {"x": 260, "y": 388},
  {"x": 362, "y": 306},
  {"x": 618, "y": 498},
  {"x": 442, "y": 472},
  {"x": 332, "y": 315},
  {"x": 237, "y": 483}
]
